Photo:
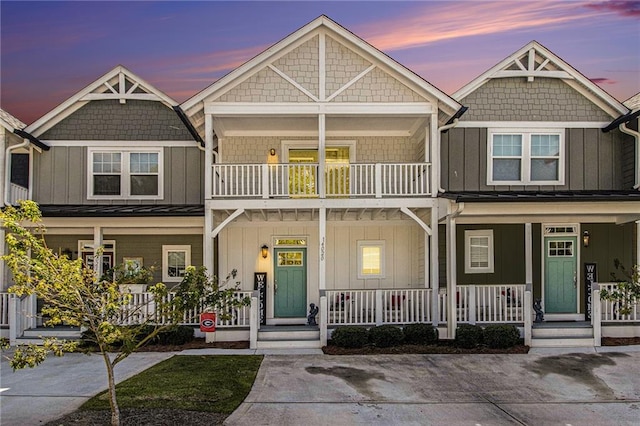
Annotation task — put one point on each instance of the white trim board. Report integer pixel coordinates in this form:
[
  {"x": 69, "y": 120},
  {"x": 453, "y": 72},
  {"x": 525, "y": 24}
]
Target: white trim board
[
  {"x": 534, "y": 124},
  {"x": 128, "y": 144}
]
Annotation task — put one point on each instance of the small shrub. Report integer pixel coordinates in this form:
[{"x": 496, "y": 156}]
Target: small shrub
[
  {"x": 420, "y": 334},
  {"x": 468, "y": 336},
  {"x": 349, "y": 337},
  {"x": 385, "y": 336},
  {"x": 501, "y": 336},
  {"x": 176, "y": 336}
]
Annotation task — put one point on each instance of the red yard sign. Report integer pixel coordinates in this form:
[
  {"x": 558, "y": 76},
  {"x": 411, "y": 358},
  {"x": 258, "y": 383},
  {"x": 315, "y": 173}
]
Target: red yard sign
[{"x": 208, "y": 322}]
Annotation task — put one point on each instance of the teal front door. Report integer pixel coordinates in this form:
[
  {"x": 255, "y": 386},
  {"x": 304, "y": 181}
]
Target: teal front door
[
  {"x": 290, "y": 298},
  {"x": 560, "y": 278}
]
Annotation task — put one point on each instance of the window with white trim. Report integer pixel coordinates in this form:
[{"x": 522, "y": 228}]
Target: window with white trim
[
  {"x": 525, "y": 157},
  {"x": 478, "y": 251},
  {"x": 125, "y": 173},
  {"x": 370, "y": 259},
  {"x": 175, "y": 259}
]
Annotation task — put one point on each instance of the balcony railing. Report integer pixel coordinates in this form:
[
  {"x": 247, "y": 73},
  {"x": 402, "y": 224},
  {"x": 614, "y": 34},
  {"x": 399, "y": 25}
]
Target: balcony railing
[
  {"x": 17, "y": 192},
  {"x": 301, "y": 180}
]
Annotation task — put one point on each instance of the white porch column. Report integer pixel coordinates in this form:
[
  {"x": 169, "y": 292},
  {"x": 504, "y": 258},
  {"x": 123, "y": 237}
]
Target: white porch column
[
  {"x": 638, "y": 241},
  {"x": 528, "y": 254},
  {"x": 452, "y": 287},
  {"x": 208, "y": 249},
  {"x": 434, "y": 141},
  {"x": 322, "y": 238},
  {"x": 97, "y": 244},
  {"x": 528, "y": 279},
  {"x": 320, "y": 180},
  {"x": 434, "y": 270}
]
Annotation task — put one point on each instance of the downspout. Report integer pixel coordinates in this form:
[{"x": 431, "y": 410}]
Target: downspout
[
  {"x": 7, "y": 170},
  {"x": 636, "y": 135}
]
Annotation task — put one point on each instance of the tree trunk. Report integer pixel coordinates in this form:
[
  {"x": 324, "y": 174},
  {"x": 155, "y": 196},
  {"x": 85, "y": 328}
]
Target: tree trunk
[{"x": 115, "y": 411}]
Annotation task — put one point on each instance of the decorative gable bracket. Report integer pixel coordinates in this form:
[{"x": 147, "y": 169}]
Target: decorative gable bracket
[
  {"x": 531, "y": 64},
  {"x": 120, "y": 87}
]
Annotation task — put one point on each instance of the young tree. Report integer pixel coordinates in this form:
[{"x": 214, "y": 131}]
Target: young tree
[
  {"x": 627, "y": 292},
  {"x": 73, "y": 295}
]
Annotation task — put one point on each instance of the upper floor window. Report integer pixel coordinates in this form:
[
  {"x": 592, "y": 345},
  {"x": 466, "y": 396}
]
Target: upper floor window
[
  {"x": 525, "y": 157},
  {"x": 125, "y": 174}
]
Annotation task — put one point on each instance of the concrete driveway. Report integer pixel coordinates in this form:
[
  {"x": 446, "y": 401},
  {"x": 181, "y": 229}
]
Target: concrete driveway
[{"x": 564, "y": 389}]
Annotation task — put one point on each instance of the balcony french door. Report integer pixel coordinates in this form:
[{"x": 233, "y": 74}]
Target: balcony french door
[{"x": 303, "y": 176}]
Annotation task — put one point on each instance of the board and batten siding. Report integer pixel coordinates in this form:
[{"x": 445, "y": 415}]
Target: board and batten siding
[
  {"x": 239, "y": 248},
  {"x": 148, "y": 247},
  {"x": 593, "y": 161},
  {"x": 61, "y": 177}
]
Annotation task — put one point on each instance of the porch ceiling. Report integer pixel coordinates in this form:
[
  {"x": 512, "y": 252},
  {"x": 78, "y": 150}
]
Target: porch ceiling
[
  {"x": 301, "y": 125},
  {"x": 312, "y": 214}
]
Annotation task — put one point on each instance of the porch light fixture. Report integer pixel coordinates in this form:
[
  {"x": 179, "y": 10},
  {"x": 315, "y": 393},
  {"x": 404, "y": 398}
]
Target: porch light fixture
[
  {"x": 585, "y": 238},
  {"x": 265, "y": 251},
  {"x": 272, "y": 152}
]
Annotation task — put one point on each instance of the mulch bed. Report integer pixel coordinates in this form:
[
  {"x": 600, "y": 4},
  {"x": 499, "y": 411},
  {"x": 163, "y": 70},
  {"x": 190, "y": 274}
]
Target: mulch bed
[
  {"x": 141, "y": 417},
  {"x": 620, "y": 341},
  {"x": 422, "y": 349},
  {"x": 197, "y": 343}
]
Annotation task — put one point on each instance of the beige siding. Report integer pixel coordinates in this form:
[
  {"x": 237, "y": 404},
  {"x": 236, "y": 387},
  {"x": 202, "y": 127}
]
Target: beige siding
[
  {"x": 378, "y": 86},
  {"x": 515, "y": 99},
  {"x": 302, "y": 65},
  {"x": 255, "y": 150},
  {"x": 342, "y": 65},
  {"x": 265, "y": 86},
  {"x": 60, "y": 177}
]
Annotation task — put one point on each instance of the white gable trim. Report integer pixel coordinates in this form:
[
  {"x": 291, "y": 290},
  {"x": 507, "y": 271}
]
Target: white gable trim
[
  {"x": 304, "y": 34},
  {"x": 220, "y": 109},
  {"x": 100, "y": 89},
  {"x": 534, "y": 124},
  {"x": 567, "y": 73}
]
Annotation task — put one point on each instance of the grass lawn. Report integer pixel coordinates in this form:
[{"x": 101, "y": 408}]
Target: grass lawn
[{"x": 212, "y": 383}]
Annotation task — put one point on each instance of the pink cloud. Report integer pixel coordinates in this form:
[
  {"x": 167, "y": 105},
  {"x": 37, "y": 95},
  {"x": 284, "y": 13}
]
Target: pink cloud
[
  {"x": 629, "y": 9},
  {"x": 603, "y": 80},
  {"x": 451, "y": 21}
]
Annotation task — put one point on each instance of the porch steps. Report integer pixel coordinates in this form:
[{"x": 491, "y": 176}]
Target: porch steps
[
  {"x": 288, "y": 336},
  {"x": 562, "y": 334},
  {"x": 35, "y": 335}
]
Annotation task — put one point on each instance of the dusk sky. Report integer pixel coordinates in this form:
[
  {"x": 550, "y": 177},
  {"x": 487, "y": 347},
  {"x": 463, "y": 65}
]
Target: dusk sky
[{"x": 51, "y": 50}]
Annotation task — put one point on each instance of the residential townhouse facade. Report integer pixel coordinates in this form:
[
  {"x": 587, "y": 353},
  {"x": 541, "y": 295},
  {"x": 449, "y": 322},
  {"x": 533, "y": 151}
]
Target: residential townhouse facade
[{"x": 326, "y": 173}]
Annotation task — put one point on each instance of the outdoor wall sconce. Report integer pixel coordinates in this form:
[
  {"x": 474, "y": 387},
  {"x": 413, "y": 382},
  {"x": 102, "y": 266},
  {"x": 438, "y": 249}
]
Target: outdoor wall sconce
[
  {"x": 272, "y": 152},
  {"x": 265, "y": 251},
  {"x": 585, "y": 238}
]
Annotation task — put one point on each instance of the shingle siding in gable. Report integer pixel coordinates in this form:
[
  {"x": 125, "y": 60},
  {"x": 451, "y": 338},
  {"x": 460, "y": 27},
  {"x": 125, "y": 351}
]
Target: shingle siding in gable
[
  {"x": 515, "y": 99},
  {"x": 111, "y": 120}
]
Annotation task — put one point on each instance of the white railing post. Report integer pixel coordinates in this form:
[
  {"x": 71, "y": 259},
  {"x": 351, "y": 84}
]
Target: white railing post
[
  {"x": 527, "y": 309},
  {"x": 596, "y": 315},
  {"x": 324, "y": 317},
  {"x": 253, "y": 320},
  {"x": 379, "y": 307},
  {"x": 472, "y": 301},
  {"x": 13, "y": 319},
  {"x": 378, "y": 180},
  {"x": 265, "y": 180}
]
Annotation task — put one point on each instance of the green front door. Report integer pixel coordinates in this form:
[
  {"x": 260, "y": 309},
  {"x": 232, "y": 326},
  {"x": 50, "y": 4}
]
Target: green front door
[
  {"x": 290, "y": 298},
  {"x": 560, "y": 284}
]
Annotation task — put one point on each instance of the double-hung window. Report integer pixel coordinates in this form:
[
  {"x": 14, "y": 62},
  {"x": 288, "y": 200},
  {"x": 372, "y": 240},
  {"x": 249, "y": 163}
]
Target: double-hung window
[
  {"x": 478, "y": 251},
  {"x": 525, "y": 157},
  {"x": 125, "y": 173},
  {"x": 370, "y": 259},
  {"x": 175, "y": 259}
]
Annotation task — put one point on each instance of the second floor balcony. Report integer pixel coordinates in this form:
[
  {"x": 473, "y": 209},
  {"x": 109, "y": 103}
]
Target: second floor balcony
[{"x": 302, "y": 180}]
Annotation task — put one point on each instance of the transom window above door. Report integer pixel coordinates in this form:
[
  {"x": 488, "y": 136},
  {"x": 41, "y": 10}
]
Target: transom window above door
[
  {"x": 124, "y": 173},
  {"x": 525, "y": 157}
]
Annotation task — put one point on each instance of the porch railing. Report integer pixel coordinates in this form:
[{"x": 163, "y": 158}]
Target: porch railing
[
  {"x": 490, "y": 303},
  {"x": 17, "y": 192},
  {"x": 375, "y": 180},
  {"x": 4, "y": 309},
  {"x": 610, "y": 309},
  {"x": 142, "y": 308},
  {"x": 371, "y": 307}
]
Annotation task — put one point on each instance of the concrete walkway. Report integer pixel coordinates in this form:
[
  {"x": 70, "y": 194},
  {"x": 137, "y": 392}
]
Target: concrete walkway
[{"x": 547, "y": 386}]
